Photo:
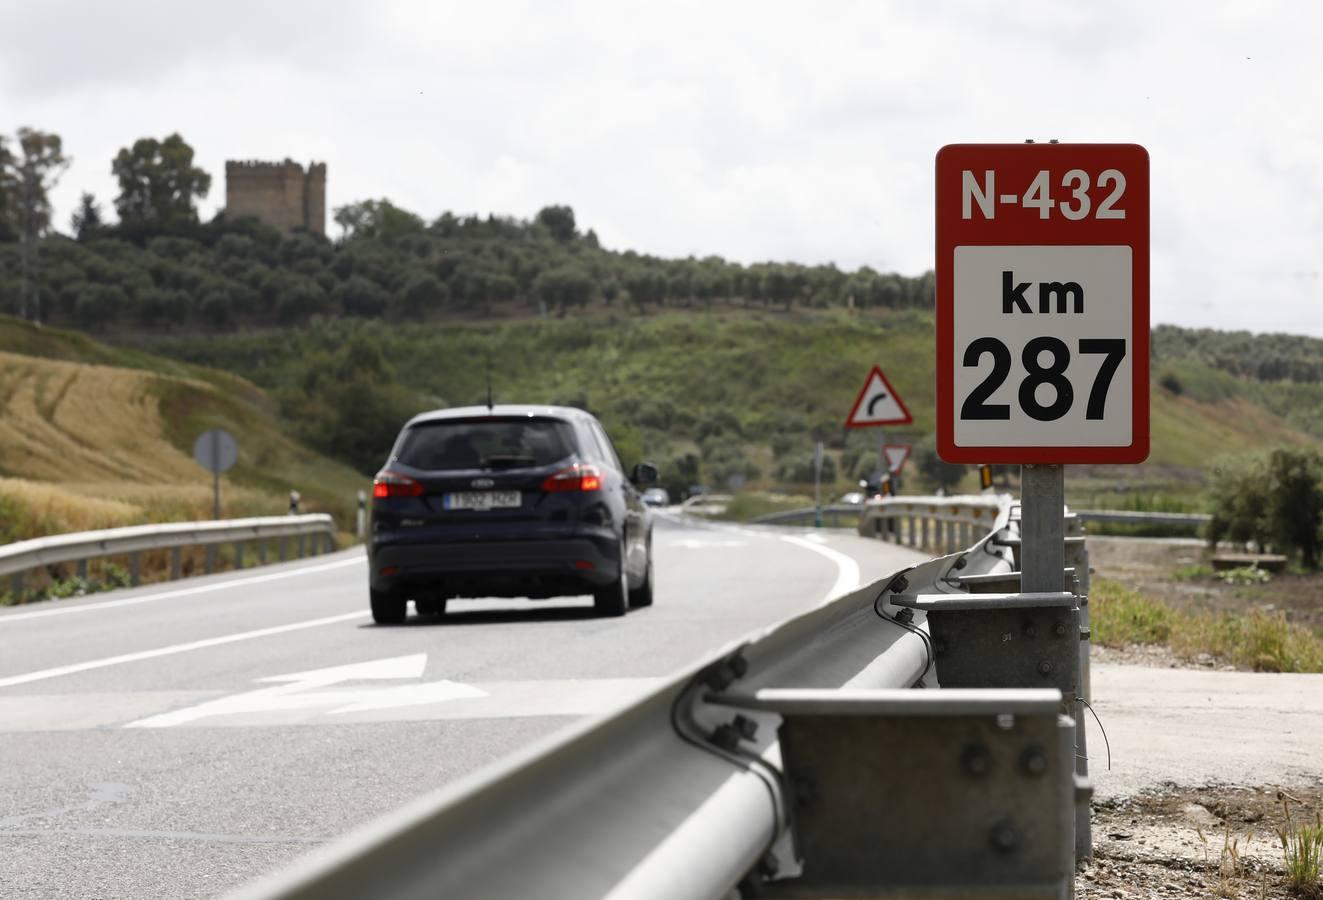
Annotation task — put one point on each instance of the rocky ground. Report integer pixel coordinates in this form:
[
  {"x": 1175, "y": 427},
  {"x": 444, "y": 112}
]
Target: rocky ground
[{"x": 1202, "y": 842}]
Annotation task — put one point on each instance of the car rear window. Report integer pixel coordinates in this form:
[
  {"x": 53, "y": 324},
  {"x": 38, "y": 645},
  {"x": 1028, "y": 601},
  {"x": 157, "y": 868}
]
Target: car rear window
[{"x": 486, "y": 444}]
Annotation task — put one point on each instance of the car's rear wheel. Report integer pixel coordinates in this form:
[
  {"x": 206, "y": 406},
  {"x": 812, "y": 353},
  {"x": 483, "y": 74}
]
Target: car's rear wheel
[
  {"x": 389, "y": 608},
  {"x": 613, "y": 599},
  {"x": 642, "y": 595}
]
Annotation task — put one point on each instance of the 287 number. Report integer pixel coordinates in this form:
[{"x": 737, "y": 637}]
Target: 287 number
[{"x": 976, "y": 405}]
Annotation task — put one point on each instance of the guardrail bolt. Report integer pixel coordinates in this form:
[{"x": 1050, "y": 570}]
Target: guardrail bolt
[
  {"x": 1045, "y": 667},
  {"x": 1033, "y": 762},
  {"x": 1004, "y": 837},
  {"x": 726, "y": 737},
  {"x": 1059, "y": 629},
  {"x": 1030, "y": 629},
  {"x": 976, "y": 760},
  {"x": 747, "y": 727}
]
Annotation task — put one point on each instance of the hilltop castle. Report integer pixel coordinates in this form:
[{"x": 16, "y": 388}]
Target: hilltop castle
[{"x": 281, "y": 194}]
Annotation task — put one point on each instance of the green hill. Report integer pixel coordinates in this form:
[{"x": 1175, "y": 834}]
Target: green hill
[
  {"x": 94, "y": 436},
  {"x": 741, "y": 392}
]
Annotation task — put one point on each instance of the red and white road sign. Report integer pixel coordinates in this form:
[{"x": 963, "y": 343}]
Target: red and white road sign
[
  {"x": 878, "y": 404},
  {"x": 896, "y": 455},
  {"x": 1042, "y": 303}
]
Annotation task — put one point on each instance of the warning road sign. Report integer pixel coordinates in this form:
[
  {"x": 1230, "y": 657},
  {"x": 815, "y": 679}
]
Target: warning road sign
[
  {"x": 896, "y": 455},
  {"x": 878, "y": 404}
]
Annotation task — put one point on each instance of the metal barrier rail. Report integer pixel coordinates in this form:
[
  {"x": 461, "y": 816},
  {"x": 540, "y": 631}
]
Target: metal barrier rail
[
  {"x": 932, "y": 524},
  {"x": 807, "y": 515},
  {"x": 22, "y": 556},
  {"x": 731, "y": 772},
  {"x": 1126, "y": 517}
]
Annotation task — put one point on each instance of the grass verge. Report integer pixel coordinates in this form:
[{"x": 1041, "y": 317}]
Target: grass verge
[{"x": 1258, "y": 640}]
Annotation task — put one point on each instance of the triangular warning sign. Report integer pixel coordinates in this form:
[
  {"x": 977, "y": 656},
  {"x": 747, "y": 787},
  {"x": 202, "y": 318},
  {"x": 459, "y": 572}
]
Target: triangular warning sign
[
  {"x": 896, "y": 456},
  {"x": 878, "y": 404}
]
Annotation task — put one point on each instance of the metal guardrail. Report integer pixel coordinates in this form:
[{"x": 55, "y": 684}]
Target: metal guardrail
[
  {"x": 831, "y": 515},
  {"x": 797, "y": 762},
  {"x": 23, "y": 556},
  {"x": 1127, "y": 517},
  {"x": 838, "y": 512}
]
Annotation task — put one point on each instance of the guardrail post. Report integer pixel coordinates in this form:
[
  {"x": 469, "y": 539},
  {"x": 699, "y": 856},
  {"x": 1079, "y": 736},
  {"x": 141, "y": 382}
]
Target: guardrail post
[
  {"x": 135, "y": 568},
  {"x": 302, "y": 542},
  {"x": 238, "y": 554},
  {"x": 261, "y": 552},
  {"x": 211, "y": 559},
  {"x": 909, "y": 524},
  {"x": 16, "y": 585},
  {"x": 82, "y": 569},
  {"x": 926, "y": 539},
  {"x": 281, "y": 545},
  {"x": 330, "y": 542},
  {"x": 176, "y": 569}
]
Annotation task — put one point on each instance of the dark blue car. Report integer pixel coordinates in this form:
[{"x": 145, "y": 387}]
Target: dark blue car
[{"x": 507, "y": 501}]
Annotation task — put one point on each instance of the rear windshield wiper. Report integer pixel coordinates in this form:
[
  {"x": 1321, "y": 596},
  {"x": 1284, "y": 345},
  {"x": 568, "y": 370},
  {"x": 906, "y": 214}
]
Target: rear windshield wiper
[{"x": 507, "y": 462}]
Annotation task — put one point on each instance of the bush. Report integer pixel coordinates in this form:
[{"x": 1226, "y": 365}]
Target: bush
[{"x": 1275, "y": 500}]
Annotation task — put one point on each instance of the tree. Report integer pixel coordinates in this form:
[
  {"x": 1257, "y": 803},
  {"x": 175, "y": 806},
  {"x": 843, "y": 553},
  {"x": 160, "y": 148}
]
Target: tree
[
  {"x": 930, "y": 465},
  {"x": 376, "y": 219},
  {"x": 559, "y": 222},
  {"x": 86, "y": 220},
  {"x": 35, "y": 173},
  {"x": 158, "y": 184},
  {"x": 564, "y": 286},
  {"x": 8, "y": 187},
  {"x": 1275, "y": 500}
]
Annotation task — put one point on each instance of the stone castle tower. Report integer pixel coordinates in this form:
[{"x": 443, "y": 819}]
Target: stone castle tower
[{"x": 281, "y": 194}]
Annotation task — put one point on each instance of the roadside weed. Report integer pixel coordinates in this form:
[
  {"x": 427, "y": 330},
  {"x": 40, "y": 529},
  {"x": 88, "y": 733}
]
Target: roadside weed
[{"x": 1302, "y": 848}]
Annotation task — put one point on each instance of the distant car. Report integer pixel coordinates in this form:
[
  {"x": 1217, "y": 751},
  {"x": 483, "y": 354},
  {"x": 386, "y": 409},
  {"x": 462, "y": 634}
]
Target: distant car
[
  {"x": 657, "y": 497},
  {"x": 507, "y": 501},
  {"x": 853, "y": 498}
]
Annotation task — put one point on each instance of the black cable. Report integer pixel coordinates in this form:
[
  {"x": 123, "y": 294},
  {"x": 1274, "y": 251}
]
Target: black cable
[
  {"x": 923, "y": 636},
  {"x": 1106, "y": 743}
]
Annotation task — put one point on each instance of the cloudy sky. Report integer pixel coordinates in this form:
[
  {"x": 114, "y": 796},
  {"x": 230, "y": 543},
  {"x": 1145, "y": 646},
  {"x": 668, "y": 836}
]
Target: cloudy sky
[{"x": 751, "y": 130}]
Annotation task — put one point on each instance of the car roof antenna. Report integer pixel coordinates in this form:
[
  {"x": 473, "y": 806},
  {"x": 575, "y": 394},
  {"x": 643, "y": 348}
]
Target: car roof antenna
[{"x": 490, "y": 408}]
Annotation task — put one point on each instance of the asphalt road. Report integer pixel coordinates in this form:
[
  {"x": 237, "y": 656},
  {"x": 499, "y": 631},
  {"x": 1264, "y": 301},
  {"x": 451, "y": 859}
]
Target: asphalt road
[{"x": 179, "y": 740}]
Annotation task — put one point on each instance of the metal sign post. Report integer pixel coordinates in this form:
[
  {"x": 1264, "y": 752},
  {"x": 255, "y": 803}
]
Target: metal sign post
[{"x": 817, "y": 485}]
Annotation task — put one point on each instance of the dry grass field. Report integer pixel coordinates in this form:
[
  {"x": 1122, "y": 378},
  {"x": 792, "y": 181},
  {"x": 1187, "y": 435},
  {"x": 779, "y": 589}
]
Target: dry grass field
[{"x": 88, "y": 444}]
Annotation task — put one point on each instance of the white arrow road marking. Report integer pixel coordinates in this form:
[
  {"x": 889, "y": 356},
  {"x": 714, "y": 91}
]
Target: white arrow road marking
[{"x": 300, "y": 691}]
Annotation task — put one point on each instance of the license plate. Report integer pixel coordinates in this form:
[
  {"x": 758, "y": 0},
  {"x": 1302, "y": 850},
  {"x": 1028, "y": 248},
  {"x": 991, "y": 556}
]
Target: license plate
[{"x": 482, "y": 500}]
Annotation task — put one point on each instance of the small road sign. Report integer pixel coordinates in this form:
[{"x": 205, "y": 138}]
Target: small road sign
[
  {"x": 216, "y": 450},
  {"x": 1042, "y": 303},
  {"x": 878, "y": 404},
  {"x": 896, "y": 455}
]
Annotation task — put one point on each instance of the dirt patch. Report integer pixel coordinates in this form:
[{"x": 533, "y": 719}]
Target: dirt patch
[
  {"x": 1168, "y": 570},
  {"x": 1202, "y": 842}
]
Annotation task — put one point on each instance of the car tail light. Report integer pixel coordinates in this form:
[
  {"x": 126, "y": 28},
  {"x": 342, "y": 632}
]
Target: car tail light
[
  {"x": 577, "y": 477},
  {"x": 392, "y": 484}
]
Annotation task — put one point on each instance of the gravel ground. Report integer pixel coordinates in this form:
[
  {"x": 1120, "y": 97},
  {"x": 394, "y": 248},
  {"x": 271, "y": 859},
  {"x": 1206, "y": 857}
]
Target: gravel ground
[{"x": 1203, "y": 842}]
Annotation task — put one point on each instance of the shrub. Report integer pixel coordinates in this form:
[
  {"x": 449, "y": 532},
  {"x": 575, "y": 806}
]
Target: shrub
[{"x": 1277, "y": 500}]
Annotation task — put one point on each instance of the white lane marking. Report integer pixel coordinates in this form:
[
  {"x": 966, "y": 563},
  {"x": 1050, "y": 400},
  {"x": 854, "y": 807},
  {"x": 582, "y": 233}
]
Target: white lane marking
[
  {"x": 847, "y": 570},
  {"x": 185, "y": 592},
  {"x": 300, "y": 690},
  {"x": 700, "y": 544},
  {"x": 56, "y": 672}
]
